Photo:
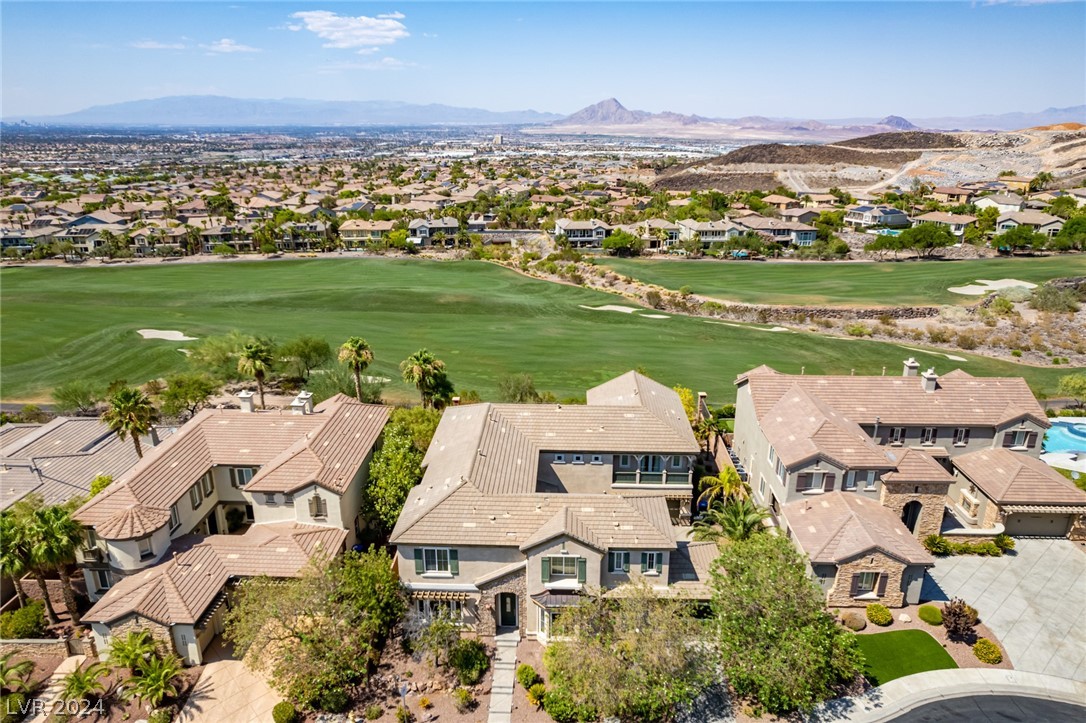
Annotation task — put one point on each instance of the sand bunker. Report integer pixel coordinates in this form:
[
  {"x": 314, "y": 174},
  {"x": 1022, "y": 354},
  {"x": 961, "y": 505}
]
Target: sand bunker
[
  {"x": 167, "y": 335},
  {"x": 951, "y": 357},
  {"x": 747, "y": 326},
  {"x": 986, "y": 286},
  {"x": 655, "y": 316},
  {"x": 611, "y": 307}
]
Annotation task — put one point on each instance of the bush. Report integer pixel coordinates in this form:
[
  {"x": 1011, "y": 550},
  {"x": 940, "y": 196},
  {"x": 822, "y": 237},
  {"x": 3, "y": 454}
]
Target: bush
[
  {"x": 425, "y": 703},
  {"x": 987, "y": 652},
  {"x": 469, "y": 659},
  {"x": 12, "y": 706},
  {"x": 374, "y": 712},
  {"x": 26, "y": 622},
  {"x": 1004, "y": 542},
  {"x": 463, "y": 700},
  {"x": 930, "y": 614},
  {"x": 161, "y": 715},
  {"x": 562, "y": 709},
  {"x": 333, "y": 701},
  {"x": 284, "y": 712},
  {"x": 403, "y": 715},
  {"x": 527, "y": 676},
  {"x": 858, "y": 329},
  {"x": 959, "y": 620},
  {"x": 854, "y": 621},
  {"x": 536, "y": 694},
  {"x": 879, "y": 614},
  {"x": 653, "y": 298},
  {"x": 937, "y": 545}
]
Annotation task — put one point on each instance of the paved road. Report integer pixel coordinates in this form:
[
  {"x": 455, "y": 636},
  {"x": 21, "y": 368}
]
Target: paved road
[
  {"x": 995, "y": 709},
  {"x": 1033, "y": 600}
]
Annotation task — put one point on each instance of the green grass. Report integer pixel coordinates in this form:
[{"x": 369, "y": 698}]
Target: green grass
[
  {"x": 483, "y": 320},
  {"x": 901, "y": 652},
  {"x": 875, "y": 284}
]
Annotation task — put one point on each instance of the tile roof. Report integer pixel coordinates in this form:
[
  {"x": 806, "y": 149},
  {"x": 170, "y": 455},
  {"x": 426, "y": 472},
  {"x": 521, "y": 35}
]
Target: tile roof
[
  {"x": 1015, "y": 478},
  {"x": 835, "y": 527}
]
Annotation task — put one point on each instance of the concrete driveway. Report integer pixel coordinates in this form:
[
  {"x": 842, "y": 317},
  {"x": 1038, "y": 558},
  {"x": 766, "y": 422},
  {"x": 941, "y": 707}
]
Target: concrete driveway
[
  {"x": 1033, "y": 599},
  {"x": 228, "y": 692}
]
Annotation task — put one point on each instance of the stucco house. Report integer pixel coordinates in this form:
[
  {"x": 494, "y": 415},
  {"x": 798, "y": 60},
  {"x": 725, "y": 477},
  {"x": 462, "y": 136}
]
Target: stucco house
[
  {"x": 590, "y": 233},
  {"x": 232, "y": 494},
  {"x": 421, "y": 231},
  {"x": 523, "y": 507},
  {"x": 1002, "y": 202},
  {"x": 956, "y": 222},
  {"x": 1040, "y": 222},
  {"x": 356, "y": 233},
  {"x": 869, "y": 216}
]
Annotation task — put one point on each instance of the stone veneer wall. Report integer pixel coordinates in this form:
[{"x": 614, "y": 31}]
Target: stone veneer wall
[
  {"x": 991, "y": 516},
  {"x": 839, "y": 595},
  {"x": 895, "y": 495},
  {"x": 35, "y": 647},
  {"x": 516, "y": 583},
  {"x": 1078, "y": 528},
  {"x": 159, "y": 632}
]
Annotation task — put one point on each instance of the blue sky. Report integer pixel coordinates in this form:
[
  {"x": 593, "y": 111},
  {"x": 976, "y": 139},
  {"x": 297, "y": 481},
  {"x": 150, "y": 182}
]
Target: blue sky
[{"x": 722, "y": 59}]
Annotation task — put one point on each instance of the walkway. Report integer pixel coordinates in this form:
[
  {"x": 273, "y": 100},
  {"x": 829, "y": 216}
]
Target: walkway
[
  {"x": 52, "y": 691},
  {"x": 1031, "y": 599},
  {"x": 228, "y": 691},
  {"x": 505, "y": 673}
]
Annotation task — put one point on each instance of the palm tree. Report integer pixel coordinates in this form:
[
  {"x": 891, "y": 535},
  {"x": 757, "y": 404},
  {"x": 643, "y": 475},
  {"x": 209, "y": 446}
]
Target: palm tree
[
  {"x": 130, "y": 412},
  {"x": 84, "y": 683},
  {"x": 736, "y": 519},
  {"x": 132, "y": 650},
  {"x": 357, "y": 354},
  {"x": 156, "y": 679},
  {"x": 13, "y": 678},
  {"x": 56, "y": 536},
  {"x": 725, "y": 485},
  {"x": 256, "y": 361},
  {"x": 423, "y": 370},
  {"x": 14, "y": 553}
]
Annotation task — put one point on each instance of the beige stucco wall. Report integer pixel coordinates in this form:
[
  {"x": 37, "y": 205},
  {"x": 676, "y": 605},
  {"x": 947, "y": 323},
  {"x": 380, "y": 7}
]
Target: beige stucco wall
[
  {"x": 124, "y": 555},
  {"x": 554, "y": 547},
  {"x": 586, "y": 478},
  {"x": 475, "y": 562}
]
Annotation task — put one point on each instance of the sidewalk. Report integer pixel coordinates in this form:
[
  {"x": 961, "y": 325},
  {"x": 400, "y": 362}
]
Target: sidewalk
[
  {"x": 55, "y": 686},
  {"x": 505, "y": 669}
]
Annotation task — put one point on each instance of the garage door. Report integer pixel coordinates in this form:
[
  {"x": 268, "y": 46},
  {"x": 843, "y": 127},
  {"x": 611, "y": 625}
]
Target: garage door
[{"x": 1041, "y": 525}]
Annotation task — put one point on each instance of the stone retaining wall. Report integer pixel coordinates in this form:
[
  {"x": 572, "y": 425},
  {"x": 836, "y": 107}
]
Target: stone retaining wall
[{"x": 42, "y": 646}]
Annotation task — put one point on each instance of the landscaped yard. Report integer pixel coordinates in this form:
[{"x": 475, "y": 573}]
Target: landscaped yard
[
  {"x": 483, "y": 320},
  {"x": 901, "y": 652},
  {"x": 875, "y": 284}
]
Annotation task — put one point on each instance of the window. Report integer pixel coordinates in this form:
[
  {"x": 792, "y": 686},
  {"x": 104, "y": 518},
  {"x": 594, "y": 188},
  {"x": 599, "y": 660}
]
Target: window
[
  {"x": 850, "y": 479},
  {"x": 928, "y": 436},
  {"x": 809, "y": 481},
  {"x": 652, "y": 463},
  {"x": 872, "y": 477},
  {"x": 651, "y": 563},
  {"x": 865, "y": 585},
  {"x": 578, "y": 459},
  {"x": 559, "y": 459},
  {"x": 1019, "y": 438},
  {"x": 761, "y": 487},
  {"x": 194, "y": 496},
  {"x": 240, "y": 476},
  {"x": 288, "y": 499},
  {"x": 318, "y": 507},
  {"x": 677, "y": 463},
  {"x": 782, "y": 473},
  {"x": 772, "y": 455},
  {"x": 563, "y": 566},
  {"x": 269, "y": 498},
  {"x": 175, "y": 518},
  {"x": 208, "y": 483},
  {"x": 618, "y": 561},
  {"x": 428, "y": 609},
  {"x": 961, "y": 436},
  {"x": 435, "y": 560},
  {"x": 147, "y": 550},
  {"x": 624, "y": 461},
  {"x": 103, "y": 580},
  {"x": 597, "y": 459},
  {"x": 897, "y": 435}
]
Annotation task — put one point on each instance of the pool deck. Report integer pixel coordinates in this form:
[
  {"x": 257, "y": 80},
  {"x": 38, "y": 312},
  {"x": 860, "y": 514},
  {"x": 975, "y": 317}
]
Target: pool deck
[{"x": 1066, "y": 460}]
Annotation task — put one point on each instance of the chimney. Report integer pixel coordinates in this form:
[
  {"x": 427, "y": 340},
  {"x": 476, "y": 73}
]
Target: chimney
[
  {"x": 456, "y": 401},
  {"x": 912, "y": 366},
  {"x": 246, "y": 399},
  {"x": 930, "y": 380},
  {"x": 703, "y": 405},
  {"x": 153, "y": 435},
  {"x": 302, "y": 404}
]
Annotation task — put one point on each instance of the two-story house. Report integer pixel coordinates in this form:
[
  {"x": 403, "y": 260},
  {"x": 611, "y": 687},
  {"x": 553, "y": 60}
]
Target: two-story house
[
  {"x": 232, "y": 494},
  {"x": 956, "y": 222},
  {"x": 710, "y": 232},
  {"x": 422, "y": 231},
  {"x": 869, "y": 216},
  {"x": 1037, "y": 221},
  {"x": 356, "y": 233},
  {"x": 782, "y": 231},
  {"x": 523, "y": 507},
  {"x": 582, "y": 234}
]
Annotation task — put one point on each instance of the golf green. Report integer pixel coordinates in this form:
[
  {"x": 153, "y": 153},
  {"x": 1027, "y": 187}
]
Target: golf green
[
  {"x": 62, "y": 323},
  {"x": 843, "y": 283}
]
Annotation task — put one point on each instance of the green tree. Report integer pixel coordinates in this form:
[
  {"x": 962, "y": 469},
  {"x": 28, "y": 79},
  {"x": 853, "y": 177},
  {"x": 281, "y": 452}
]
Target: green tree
[
  {"x": 734, "y": 519},
  {"x": 1072, "y": 236},
  {"x": 926, "y": 238},
  {"x": 305, "y": 354},
  {"x": 426, "y": 372},
  {"x": 689, "y": 401},
  {"x": 218, "y": 355},
  {"x": 395, "y": 469},
  {"x": 1040, "y": 181},
  {"x": 13, "y": 676},
  {"x": 357, "y": 354},
  {"x": 1064, "y": 207},
  {"x": 1074, "y": 386},
  {"x": 518, "y": 389},
  {"x": 256, "y": 360},
  {"x": 55, "y": 535},
  {"x": 76, "y": 397},
  {"x": 622, "y": 243},
  {"x": 187, "y": 393},
  {"x": 777, "y": 643},
  {"x": 1020, "y": 237},
  {"x": 724, "y": 485},
  {"x": 99, "y": 483},
  {"x": 157, "y": 679},
  {"x": 130, "y": 413},
  {"x": 131, "y": 650},
  {"x": 84, "y": 684},
  {"x": 419, "y": 422},
  {"x": 15, "y": 553}
]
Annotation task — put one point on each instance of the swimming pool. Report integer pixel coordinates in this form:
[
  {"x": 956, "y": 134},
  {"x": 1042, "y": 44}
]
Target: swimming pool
[{"x": 1066, "y": 436}]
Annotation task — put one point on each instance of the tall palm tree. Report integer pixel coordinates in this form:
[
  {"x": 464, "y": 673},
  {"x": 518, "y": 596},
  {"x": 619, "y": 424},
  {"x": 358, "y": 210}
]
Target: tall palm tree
[
  {"x": 357, "y": 354},
  {"x": 725, "y": 485},
  {"x": 736, "y": 519},
  {"x": 130, "y": 412},
  {"x": 156, "y": 679},
  {"x": 13, "y": 677},
  {"x": 423, "y": 369},
  {"x": 56, "y": 536},
  {"x": 15, "y": 553},
  {"x": 256, "y": 361},
  {"x": 84, "y": 683},
  {"x": 132, "y": 650}
]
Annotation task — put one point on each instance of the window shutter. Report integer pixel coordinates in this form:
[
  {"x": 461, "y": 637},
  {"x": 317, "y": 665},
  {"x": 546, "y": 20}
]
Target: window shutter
[
  {"x": 545, "y": 567},
  {"x": 582, "y": 569},
  {"x": 803, "y": 481},
  {"x": 644, "y": 561},
  {"x": 659, "y": 562},
  {"x": 419, "y": 566},
  {"x": 313, "y": 512},
  {"x": 1031, "y": 439},
  {"x": 1008, "y": 439},
  {"x": 855, "y": 585},
  {"x": 454, "y": 562},
  {"x": 830, "y": 481},
  {"x": 883, "y": 578},
  {"x": 626, "y": 562}
]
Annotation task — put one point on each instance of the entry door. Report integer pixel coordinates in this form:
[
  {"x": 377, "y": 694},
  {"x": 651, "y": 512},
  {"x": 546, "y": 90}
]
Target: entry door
[
  {"x": 507, "y": 616},
  {"x": 213, "y": 523}
]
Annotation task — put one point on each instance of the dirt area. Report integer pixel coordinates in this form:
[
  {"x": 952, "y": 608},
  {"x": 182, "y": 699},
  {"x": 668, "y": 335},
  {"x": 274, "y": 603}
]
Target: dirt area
[
  {"x": 913, "y": 140},
  {"x": 530, "y": 652},
  {"x": 723, "y": 182},
  {"x": 117, "y": 710},
  {"x": 44, "y": 665}
]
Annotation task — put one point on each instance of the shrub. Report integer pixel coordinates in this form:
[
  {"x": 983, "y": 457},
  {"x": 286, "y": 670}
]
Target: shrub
[
  {"x": 12, "y": 706},
  {"x": 26, "y": 622},
  {"x": 333, "y": 701},
  {"x": 284, "y": 712},
  {"x": 163, "y": 715},
  {"x": 854, "y": 621},
  {"x": 938, "y": 545},
  {"x": 463, "y": 700},
  {"x": 653, "y": 298},
  {"x": 930, "y": 614},
  {"x": 527, "y": 676},
  {"x": 858, "y": 329},
  {"x": 425, "y": 703},
  {"x": 1016, "y": 353},
  {"x": 879, "y": 614},
  {"x": 374, "y": 712},
  {"x": 403, "y": 715},
  {"x": 1004, "y": 542},
  {"x": 469, "y": 659},
  {"x": 987, "y": 652},
  {"x": 561, "y": 707},
  {"x": 536, "y": 694},
  {"x": 959, "y": 620}
]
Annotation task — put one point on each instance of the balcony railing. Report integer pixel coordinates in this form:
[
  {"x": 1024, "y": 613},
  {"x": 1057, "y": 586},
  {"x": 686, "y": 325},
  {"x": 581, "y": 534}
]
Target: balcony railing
[{"x": 637, "y": 477}]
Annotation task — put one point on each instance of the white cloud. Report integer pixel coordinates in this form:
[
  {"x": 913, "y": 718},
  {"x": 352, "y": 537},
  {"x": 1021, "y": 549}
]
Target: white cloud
[
  {"x": 368, "y": 51},
  {"x": 344, "y": 31},
  {"x": 226, "y": 45},
  {"x": 385, "y": 63},
  {"x": 156, "y": 45}
]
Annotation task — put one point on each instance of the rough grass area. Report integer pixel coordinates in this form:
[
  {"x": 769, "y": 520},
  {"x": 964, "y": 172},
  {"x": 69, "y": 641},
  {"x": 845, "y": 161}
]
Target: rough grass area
[
  {"x": 901, "y": 652},
  {"x": 904, "y": 283},
  {"x": 483, "y": 320}
]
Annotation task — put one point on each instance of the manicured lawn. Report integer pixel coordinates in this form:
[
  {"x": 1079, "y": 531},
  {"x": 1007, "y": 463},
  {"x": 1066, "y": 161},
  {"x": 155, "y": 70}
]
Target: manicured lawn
[
  {"x": 483, "y": 320},
  {"x": 901, "y": 652},
  {"x": 876, "y": 284}
]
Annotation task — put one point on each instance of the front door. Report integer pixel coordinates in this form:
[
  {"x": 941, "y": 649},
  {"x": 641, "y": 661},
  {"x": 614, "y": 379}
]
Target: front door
[
  {"x": 213, "y": 523},
  {"x": 911, "y": 514},
  {"x": 507, "y": 610}
]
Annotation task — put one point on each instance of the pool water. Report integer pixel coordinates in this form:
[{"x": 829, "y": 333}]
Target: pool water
[{"x": 1066, "y": 437}]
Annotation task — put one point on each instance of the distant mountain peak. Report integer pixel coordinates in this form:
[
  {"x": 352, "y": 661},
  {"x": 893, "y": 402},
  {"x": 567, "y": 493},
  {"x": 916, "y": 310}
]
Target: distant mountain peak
[
  {"x": 898, "y": 123},
  {"x": 606, "y": 112}
]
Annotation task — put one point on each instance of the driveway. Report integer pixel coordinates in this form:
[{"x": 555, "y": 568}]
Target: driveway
[
  {"x": 1032, "y": 599},
  {"x": 228, "y": 691}
]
